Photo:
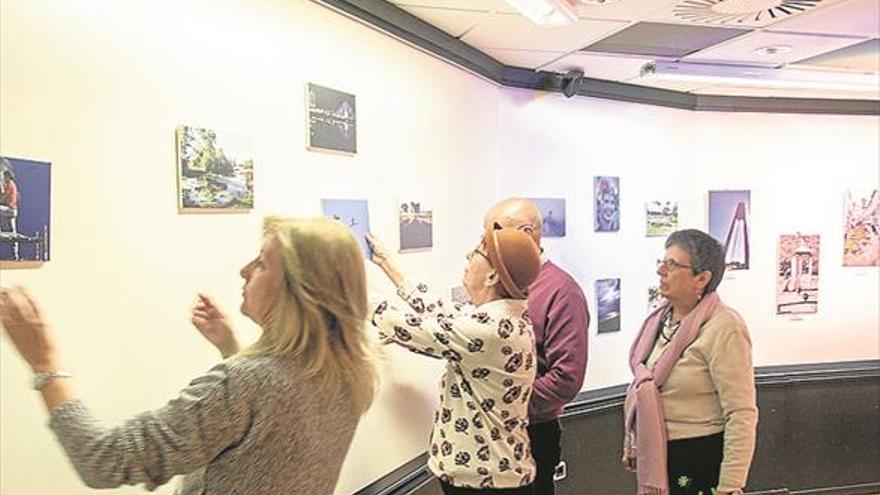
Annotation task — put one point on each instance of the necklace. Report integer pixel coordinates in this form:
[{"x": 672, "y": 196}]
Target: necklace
[{"x": 667, "y": 328}]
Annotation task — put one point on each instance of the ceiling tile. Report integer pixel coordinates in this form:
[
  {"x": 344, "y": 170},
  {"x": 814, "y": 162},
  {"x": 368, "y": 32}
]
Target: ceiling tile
[
  {"x": 862, "y": 57},
  {"x": 518, "y": 33},
  {"x": 784, "y": 92},
  {"x": 684, "y": 86},
  {"x": 453, "y": 22},
  {"x": 529, "y": 59},
  {"x": 623, "y": 10},
  {"x": 609, "y": 67},
  {"x": 737, "y": 13},
  {"x": 481, "y": 5},
  {"x": 664, "y": 40},
  {"x": 853, "y": 18},
  {"x": 743, "y": 49}
]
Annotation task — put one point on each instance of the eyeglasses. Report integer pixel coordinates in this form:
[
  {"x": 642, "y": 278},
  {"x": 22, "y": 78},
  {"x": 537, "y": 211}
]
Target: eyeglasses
[
  {"x": 477, "y": 251},
  {"x": 671, "y": 265}
]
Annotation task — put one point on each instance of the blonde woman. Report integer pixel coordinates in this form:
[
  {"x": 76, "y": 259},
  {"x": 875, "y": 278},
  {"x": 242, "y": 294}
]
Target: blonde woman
[{"x": 276, "y": 417}]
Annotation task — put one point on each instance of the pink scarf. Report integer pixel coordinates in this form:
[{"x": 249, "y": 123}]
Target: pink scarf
[{"x": 644, "y": 424}]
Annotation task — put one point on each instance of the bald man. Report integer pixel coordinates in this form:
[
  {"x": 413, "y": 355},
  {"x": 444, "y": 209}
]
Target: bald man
[{"x": 560, "y": 317}]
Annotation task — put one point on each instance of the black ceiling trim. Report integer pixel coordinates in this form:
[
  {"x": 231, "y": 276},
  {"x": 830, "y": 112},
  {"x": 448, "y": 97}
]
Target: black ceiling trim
[{"x": 399, "y": 23}]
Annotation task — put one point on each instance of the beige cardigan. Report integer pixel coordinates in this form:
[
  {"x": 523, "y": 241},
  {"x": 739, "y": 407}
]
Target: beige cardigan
[{"x": 712, "y": 389}]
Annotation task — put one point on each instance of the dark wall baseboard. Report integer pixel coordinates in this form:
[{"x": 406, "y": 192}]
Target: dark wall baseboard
[{"x": 817, "y": 434}]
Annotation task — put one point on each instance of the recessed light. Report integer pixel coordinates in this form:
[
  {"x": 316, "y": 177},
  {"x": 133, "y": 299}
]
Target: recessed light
[
  {"x": 773, "y": 49},
  {"x": 598, "y": 2}
]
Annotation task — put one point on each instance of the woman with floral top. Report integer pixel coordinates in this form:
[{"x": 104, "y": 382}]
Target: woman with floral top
[{"x": 479, "y": 443}]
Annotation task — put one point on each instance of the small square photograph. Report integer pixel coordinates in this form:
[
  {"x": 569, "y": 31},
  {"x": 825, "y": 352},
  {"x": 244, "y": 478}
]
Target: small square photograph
[
  {"x": 459, "y": 295},
  {"x": 608, "y": 299},
  {"x": 729, "y": 218},
  {"x": 661, "y": 218},
  {"x": 606, "y": 194},
  {"x": 797, "y": 276},
  {"x": 861, "y": 238},
  {"x": 25, "y": 192},
  {"x": 332, "y": 124},
  {"x": 416, "y": 222},
  {"x": 354, "y": 214},
  {"x": 215, "y": 171},
  {"x": 552, "y": 214}
]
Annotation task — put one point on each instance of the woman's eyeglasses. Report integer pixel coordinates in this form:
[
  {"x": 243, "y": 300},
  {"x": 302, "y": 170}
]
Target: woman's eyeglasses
[
  {"x": 477, "y": 251},
  {"x": 671, "y": 265}
]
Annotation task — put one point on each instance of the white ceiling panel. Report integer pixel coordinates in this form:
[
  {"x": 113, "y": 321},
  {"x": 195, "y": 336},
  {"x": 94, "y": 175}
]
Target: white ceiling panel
[
  {"x": 794, "y": 47},
  {"x": 784, "y": 92},
  {"x": 623, "y": 10},
  {"x": 738, "y": 13},
  {"x": 516, "y": 32},
  {"x": 453, "y": 22},
  {"x": 854, "y": 18},
  {"x": 483, "y": 5},
  {"x": 864, "y": 57},
  {"x": 684, "y": 86},
  {"x": 614, "y": 68},
  {"x": 529, "y": 59}
]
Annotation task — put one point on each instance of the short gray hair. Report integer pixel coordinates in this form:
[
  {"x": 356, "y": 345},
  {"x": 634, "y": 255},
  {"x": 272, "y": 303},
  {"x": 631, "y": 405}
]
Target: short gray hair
[{"x": 706, "y": 254}]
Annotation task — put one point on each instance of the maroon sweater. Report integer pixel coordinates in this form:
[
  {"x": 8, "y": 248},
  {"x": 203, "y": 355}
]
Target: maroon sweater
[{"x": 560, "y": 316}]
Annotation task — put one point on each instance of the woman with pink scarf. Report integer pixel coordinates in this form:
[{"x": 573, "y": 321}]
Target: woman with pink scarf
[{"x": 690, "y": 413}]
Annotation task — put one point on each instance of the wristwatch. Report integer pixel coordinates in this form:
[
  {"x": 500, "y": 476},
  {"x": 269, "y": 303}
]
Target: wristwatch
[{"x": 43, "y": 378}]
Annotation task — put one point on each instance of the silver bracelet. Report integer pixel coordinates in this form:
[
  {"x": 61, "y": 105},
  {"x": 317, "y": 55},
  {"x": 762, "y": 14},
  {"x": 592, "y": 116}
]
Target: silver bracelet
[{"x": 43, "y": 378}]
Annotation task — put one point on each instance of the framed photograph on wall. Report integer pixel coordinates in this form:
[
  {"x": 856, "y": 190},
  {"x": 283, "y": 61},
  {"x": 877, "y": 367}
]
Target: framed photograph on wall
[
  {"x": 606, "y": 198},
  {"x": 654, "y": 297},
  {"x": 729, "y": 218},
  {"x": 661, "y": 218},
  {"x": 215, "y": 171},
  {"x": 416, "y": 226},
  {"x": 332, "y": 120},
  {"x": 608, "y": 302},
  {"x": 552, "y": 214},
  {"x": 797, "y": 275},
  {"x": 25, "y": 207},
  {"x": 861, "y": 223},
  {"x": 354, "y": 214}
]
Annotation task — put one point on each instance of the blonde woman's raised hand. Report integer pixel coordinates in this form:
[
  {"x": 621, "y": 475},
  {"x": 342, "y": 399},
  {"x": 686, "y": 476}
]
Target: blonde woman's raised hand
[
  {"x": 212, "y": 323},
  {"x": 26, "y": 329}
]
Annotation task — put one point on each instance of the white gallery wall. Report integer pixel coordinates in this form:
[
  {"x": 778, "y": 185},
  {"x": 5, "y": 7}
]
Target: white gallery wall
[
  {"x": 97, "y": 88},
  {"x": 796, "y": 166}
]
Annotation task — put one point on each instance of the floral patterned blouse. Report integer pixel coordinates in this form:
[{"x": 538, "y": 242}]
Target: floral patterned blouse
[{"x": 479, "y": 438}]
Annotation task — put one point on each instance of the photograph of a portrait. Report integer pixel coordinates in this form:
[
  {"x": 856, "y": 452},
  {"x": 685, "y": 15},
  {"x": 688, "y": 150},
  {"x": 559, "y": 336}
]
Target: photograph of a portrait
[
  {"x": 354, "y": 214},
  {"x": 861, "y": 237},
  {"x": 608, "y": 302},
  {"x": 729, "y": 219},
  {"x": 606, "y": 195},
  {"x": 661, "y": 218},
  {"x": 552, "y": 215},
  {"x": 25, "y": 197},
  {"x": 416, "y": 225},
  {"x": 797, "y": 275},
  {"x": 215, "y": 171},
  {"x": 332, "y": 120}
]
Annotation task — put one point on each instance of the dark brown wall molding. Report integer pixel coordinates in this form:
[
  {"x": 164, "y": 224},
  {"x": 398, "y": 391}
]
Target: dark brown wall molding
[{"x": 817, "y": 434}]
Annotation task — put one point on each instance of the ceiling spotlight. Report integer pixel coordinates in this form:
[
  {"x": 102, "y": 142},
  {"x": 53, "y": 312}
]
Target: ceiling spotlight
[
  {"x": 598, "y": 2},
  {"x": 774, "y": 50},
  {"x": 546, "y": 12}
]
